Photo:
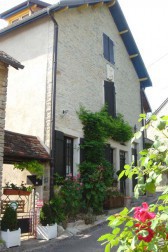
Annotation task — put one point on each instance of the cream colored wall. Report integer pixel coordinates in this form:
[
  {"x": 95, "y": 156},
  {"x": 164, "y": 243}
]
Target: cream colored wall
[
  {"x": 25, "y": 112},
  {"x": 82, "y": 68},
  {"x": 80, "y": 74},
  {"x": 15, "y": 176}
]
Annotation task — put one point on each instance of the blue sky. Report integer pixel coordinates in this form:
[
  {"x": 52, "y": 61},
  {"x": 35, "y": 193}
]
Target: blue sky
[{"x": 148, "y": 21}]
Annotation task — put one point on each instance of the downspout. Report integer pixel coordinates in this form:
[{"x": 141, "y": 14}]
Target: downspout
[
  {"x": 142, "y": 112},
  {"x": 55, "y": 46}
]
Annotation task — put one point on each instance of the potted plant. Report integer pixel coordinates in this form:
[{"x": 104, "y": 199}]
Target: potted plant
[
  {"x": 10, "y": 232},
  {"x": 12, "y": 189},
  {"x": 113, "y": 198},
  {"x": 48, "y": 228}
]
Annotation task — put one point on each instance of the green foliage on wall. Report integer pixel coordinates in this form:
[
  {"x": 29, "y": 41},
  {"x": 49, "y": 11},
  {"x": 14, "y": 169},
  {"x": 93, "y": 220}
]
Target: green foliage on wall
[
  {"x": 96, "y": 172},
  {"x": 32, "y": 166},
  {"x": 109, "y": 127}
]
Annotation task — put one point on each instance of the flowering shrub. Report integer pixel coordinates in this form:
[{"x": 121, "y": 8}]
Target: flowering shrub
[
  {"x": 147, "y": 229},
  {"x": 71, "y": 193}
]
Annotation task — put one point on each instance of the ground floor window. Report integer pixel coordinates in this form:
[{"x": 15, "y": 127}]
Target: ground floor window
[
  {"x": 68, "y": 152},
  {"x": 122, "y": 164}
]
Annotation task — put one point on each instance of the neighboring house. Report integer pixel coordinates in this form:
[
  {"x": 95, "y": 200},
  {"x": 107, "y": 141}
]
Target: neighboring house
[
  {"x": 23, "y": 10},
  {"x": 76, "y": 53},
  {"x": 151, "y": 133},
  {"x": 5, "y": 61},
  {"x": 161, "y": 111}
]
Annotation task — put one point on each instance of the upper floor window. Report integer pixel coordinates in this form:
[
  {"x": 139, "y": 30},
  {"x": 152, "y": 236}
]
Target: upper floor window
[
  {"x": 68, "y": 158},
  {"x": 108, "y": 48},
  {"x": 109, "y": 97},
  {"x": 24, "y": 16},
  {"x": 15, "y": 20}
]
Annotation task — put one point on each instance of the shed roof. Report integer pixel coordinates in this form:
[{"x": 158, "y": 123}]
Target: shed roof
[
  {"x": 4, "y": 57},
  {"x": 161, "y": 106},
  {"x": 19, "y": 147},
  {"x": 119, "y": 20}
]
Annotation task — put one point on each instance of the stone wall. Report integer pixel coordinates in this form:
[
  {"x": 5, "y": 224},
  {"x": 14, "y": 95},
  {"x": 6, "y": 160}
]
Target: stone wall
[{"x": 3, "y": 92}]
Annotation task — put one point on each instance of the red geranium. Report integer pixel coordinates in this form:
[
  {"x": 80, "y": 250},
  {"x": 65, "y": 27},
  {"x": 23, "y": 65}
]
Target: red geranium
[{"x": 147, "y": 228}]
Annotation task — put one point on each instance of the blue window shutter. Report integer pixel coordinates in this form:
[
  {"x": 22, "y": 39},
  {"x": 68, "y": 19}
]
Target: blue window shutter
[
  {"x": 106, "y": 46},
  {"x": 111, "y": 51}
]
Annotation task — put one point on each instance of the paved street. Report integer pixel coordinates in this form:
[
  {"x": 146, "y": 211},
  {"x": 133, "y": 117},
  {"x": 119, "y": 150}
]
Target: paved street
[{"x": 86, "y": 242}]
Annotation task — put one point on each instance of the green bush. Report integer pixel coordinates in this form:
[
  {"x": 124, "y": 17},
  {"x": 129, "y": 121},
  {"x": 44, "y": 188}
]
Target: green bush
[
  {"x": 71, "y": 192},
  {"x": 69, "y": 196},
  {"x": 58, "y": 204},
  {"x": 47, "y": 215},
  {"x": 9, "y": 219}
]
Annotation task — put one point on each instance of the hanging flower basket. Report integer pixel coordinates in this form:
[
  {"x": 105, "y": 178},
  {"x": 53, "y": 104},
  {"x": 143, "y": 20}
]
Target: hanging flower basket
[{"x": 10, "y": 191}]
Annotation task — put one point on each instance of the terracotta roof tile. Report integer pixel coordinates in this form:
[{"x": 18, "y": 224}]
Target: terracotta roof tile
[
  {"x": 4, "y": 57},
  {"x": 19, "y": 146}
]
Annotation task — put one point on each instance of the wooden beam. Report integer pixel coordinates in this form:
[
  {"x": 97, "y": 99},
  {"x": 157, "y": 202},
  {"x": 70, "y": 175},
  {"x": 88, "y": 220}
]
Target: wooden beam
[
  {"x": 82, "y": 7},
  {"x": 143, "y": 79},
  {"x": 62, "y": 10},
  {"x": 112, "y": 3},
  {"x": 124, "y": 31},
  {"x": 133, "y": 56},
  {"x": 97, "y": 5}
]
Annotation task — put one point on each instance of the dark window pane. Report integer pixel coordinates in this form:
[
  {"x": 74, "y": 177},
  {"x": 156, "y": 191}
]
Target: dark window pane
[
  {"x": 68, "y": 143},
  {"x": 109, "y": 92},
  {"x": 106, "y": 47}
]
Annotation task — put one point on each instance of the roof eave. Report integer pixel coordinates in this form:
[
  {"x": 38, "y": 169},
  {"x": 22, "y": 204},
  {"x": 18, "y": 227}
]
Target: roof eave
[{"x": 21, "y": 7}]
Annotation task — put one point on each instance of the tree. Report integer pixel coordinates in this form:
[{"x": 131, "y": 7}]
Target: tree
[{"x": 147, "y": 229}]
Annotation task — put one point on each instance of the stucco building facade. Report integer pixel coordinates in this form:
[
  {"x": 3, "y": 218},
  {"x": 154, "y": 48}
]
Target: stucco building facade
[{"x": 67, "y": 57}]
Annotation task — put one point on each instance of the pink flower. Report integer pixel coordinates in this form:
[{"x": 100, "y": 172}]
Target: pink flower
[
  {"x": 74, "y": 178},
  {"x": 78, "y": 176},
  {"x": 142, "y": 213},
  {"x": 69, "y": 175},
  {"x": 81, "y": 184}
]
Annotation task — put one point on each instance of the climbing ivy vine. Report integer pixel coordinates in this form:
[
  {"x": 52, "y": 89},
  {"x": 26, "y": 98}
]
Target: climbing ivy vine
[{"x": 96, "y": 172}]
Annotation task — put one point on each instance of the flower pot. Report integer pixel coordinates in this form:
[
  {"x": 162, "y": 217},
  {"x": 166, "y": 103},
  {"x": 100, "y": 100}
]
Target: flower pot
[
  {"x": 127, "y": 201},
  {"x": 11, "y": 238},
  {"x": 9, "y": 191},
  {"x": 46, "y": 232},
  {"x": 114, "y": 202}
]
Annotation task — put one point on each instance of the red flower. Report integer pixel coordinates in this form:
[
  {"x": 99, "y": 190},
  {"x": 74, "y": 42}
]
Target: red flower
[
  {"x": 147, "y": 228},
  {"x": 142, "y": 213},
  {"x": 147, "y": 238}
]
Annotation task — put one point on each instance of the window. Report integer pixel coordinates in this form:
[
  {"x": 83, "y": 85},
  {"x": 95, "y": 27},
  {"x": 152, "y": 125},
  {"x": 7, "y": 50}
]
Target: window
[
  {"x": 63, "y": 155},
  {"x": 68, "y": 147},
  {"x": 122, "y": 164},
  {"x": 108, "y": 47},
  {"x": 109, "y": 153},
  {"x": 15, "y": 20},
  {"x": 24, "y": 16},
  {"x": 109, "y": 97}
]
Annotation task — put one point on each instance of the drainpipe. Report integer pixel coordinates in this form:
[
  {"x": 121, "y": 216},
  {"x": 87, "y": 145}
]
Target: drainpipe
[
  {"x": 55, "y": 46},
  {"x": 142, "y": 111}
]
